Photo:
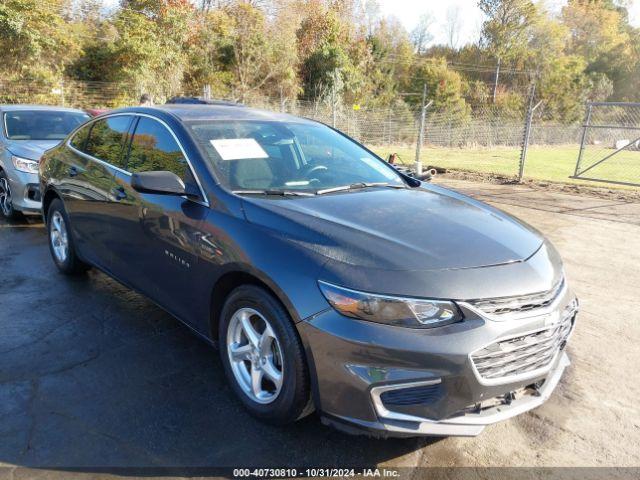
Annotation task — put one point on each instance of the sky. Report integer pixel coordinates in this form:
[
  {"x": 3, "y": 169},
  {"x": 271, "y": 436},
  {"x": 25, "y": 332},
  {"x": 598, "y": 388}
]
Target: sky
[{"x": 409, "y": 11}]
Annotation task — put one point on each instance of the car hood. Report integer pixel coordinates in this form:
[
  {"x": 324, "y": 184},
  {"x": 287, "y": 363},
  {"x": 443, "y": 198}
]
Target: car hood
[
  {"x": 30, "y": 149},
  {"x": 426, "y": 228}
]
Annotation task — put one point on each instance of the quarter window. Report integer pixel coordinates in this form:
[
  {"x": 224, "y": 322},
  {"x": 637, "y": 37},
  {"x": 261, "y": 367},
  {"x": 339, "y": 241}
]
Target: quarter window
[
  {"x": 107, "y": 139},
  {"x": 79, "y": 140},
  {"x": 153, "y": 148}
]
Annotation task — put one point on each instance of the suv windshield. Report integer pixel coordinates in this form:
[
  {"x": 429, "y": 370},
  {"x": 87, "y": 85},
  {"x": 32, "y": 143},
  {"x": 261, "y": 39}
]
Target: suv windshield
[
  {"x": 41, "y": 124},
  {"x": 288, "y": 156}
]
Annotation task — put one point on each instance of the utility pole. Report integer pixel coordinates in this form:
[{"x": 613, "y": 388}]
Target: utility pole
[
  {"x": 495, "y": 83},
  {"x": 527, "y": 130},
  {"x": 281, "y": 100},
  {"x": 423, "y": 115},
  {"x": 334, "y": 96}
]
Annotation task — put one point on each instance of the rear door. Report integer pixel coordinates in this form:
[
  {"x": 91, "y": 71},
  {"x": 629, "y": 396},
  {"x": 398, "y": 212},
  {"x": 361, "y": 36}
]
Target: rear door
[
  {"x": 155, "y": 238},
  {"x": 95, "y": 154}
]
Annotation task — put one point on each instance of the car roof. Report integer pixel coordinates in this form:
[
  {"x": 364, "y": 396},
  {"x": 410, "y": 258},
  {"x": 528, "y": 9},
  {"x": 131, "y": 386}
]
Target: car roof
[
  {"x": 50, "y": 108},
  {"x": 200, "y": 112}
]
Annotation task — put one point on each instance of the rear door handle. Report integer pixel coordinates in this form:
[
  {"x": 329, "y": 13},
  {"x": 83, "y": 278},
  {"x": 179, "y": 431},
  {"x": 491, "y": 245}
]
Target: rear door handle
[
  {"x": 119, "y": 193},
  {"x": 73, "y": 171}
]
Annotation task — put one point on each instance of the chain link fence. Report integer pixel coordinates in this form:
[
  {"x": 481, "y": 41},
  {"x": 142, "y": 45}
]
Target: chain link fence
[
  {"x": 482, "y": 138},
  {"x": 610, "y": 145}
]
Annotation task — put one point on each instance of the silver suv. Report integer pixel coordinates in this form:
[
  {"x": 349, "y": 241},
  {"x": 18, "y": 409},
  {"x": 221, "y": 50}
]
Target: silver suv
[{"x": 27, "y": 132}]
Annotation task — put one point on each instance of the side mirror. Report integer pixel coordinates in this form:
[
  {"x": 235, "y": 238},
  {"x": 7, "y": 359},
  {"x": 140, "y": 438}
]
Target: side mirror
[{"x": 159, "y": 182}]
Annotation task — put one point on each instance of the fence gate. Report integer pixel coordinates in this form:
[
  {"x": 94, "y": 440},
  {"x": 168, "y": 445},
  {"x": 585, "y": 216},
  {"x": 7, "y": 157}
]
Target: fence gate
[{"x": 610, "y": 146}]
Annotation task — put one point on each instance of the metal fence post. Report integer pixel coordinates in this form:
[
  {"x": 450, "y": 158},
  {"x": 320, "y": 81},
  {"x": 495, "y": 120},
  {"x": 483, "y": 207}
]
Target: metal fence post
[
  {"x": 423, "y": 114},
  {"x": 206, "y": 92},
  {"x": 583, "y": 139},
  {"x": 527, "y": 132}
]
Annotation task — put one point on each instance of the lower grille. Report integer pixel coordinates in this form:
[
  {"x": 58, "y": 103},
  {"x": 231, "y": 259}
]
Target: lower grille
[
  {"x": 412, "y": 395},
  {"x": 520, "y": 355},
  {"x": 33, "y": 192}
]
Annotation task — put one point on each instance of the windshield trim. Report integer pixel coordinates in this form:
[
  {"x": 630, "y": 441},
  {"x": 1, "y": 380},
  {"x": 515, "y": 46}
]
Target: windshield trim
[
  {"x": 72, "y": 112},
  {"x": 197, "y": 141}
]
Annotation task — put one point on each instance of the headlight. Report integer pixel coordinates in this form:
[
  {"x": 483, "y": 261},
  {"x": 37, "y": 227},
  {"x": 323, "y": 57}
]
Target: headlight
[
  {"x": 405, "y": 312},
  {"x": 25, "y": 165}
]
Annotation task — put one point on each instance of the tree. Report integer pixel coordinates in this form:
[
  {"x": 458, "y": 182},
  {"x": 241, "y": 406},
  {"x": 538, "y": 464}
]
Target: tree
[
  {"x": 143, "y": 48},
  {"x": 596, "y": 28},
  {"x": 421, "y": 35},
  {"x": 602, "y": 36},
  {"x": 453, "y": 26},
  {"x": 210, "y": 55},
  {"x": 252, "y": 55},
  {"x": 444, "y": 86},
  {"x": 322, "y": 42},
  {"x": 504, "y": 32},
  {"x": 371, "y": 15},
  {"x": 35, "y": 40}
]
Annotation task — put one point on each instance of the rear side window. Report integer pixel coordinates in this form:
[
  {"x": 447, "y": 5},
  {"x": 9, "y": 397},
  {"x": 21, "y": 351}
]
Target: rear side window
[
  {"x": 153, "y": 148},
  {"x": 79, "y": 140},
  {"x": 107, "y": 139}
]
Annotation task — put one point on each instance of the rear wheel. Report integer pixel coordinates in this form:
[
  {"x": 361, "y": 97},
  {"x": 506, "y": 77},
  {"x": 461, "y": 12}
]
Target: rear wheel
[
  {"x": 263, "y": 356},
  {"x": 61, "y": 241},
  {"x": 6, "y": 201}
]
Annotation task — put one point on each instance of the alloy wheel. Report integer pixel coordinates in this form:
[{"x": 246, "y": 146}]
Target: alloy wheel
[
  {"x": 255, "y": 355},
  {"x": 5, "y": 197},
  {"x": 59, "y": 237}
]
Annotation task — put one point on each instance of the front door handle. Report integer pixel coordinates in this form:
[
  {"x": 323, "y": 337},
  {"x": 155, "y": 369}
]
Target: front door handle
[{"x": 119, "y": 193}]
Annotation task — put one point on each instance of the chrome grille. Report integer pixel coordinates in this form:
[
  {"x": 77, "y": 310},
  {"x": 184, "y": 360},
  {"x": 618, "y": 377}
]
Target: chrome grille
[
  {"x": 525, "y": 303},
  {"x": 523, "y": 354}
]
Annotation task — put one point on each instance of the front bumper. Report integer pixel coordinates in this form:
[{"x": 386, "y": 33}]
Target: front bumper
[
  {"x": 441, "y": 392},
  {"x": 468, "y": 424},
  {"x": 25, "y": 191}
]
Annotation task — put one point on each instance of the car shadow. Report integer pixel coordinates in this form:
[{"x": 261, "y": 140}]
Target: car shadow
[{"x": 94, "y": 377}]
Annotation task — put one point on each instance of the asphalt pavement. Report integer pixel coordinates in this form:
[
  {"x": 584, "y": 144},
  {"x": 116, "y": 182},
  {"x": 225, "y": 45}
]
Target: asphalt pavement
[{"x": 93, "y": 375}]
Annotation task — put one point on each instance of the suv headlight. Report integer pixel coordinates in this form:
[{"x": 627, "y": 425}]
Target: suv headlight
[
  {"x": 25, "y": 165},
  {"x": 405, "y": 312}
]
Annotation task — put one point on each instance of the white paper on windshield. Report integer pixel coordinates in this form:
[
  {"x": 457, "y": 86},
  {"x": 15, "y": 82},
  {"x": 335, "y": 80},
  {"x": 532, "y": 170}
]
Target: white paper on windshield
[{"x": 238, "y": 148}]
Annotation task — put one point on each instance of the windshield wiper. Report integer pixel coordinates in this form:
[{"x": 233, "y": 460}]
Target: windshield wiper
[
  {"x": 275, "y": 192},
  {"x": 355, "y": 186}
]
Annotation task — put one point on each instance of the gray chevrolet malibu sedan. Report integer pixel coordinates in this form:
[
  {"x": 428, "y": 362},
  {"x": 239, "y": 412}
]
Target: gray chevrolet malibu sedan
[
  {"x": 329, "y": 280},
  {"x": 26, "y": 132}
]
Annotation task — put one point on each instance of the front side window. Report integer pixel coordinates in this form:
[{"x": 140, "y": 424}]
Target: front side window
[
  {"x": 265, "y": 155},
  {"x": 106, "y": 139},
  {"x": 41, "y": 124},
  {"x": 153, "y": 148}
]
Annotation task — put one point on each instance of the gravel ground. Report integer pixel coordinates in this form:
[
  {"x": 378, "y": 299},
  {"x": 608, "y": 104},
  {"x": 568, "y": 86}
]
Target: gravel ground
[{"x": 94, "y": 375}]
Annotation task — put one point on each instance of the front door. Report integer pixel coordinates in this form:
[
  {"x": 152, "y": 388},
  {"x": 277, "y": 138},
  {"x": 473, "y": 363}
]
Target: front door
[{"x": 155, "y": 238}]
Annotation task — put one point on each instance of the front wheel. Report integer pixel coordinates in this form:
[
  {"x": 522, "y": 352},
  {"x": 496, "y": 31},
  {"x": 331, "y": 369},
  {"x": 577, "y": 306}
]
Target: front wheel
[
  {"x": 61, "y": 243},
  {"x": 6, "y": 201},
  {"x": 263, "y": 357}
]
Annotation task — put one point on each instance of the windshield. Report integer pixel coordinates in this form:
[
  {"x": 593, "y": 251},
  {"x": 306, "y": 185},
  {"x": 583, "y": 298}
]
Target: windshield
[
  {"x": 287, "y": 156},
  {"x": 41, "y": 124}
]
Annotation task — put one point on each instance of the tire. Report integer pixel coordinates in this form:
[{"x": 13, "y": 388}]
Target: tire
[
  {"x": 61, "y": 243},
  {"x": 284, "y": 352},
  {"x": 6, "y": 205}
]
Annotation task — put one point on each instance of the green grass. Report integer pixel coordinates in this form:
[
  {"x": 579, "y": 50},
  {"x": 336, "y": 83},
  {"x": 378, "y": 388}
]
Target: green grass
[{"x": 554, "y": 164}]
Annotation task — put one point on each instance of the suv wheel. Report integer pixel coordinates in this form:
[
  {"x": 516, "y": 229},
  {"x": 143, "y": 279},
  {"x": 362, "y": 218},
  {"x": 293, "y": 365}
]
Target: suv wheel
[
  {"x": 263, "y": 357},
  {"x": 6, "y": 203},
  {"x": 61, "y": 241}
]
